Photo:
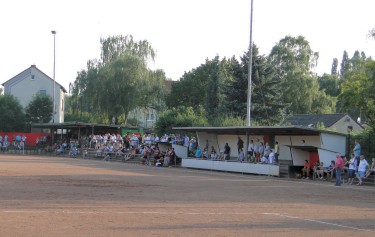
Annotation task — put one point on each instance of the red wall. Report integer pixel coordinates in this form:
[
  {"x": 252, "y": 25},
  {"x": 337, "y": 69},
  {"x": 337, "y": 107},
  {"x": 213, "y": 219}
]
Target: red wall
[
  {"x": 30, "y": 137},
  {"x": 313, "y": 157}
]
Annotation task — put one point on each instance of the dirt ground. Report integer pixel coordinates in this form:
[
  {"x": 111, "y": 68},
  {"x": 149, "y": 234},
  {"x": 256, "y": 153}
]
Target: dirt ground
[{"x": 55, "y": 196}]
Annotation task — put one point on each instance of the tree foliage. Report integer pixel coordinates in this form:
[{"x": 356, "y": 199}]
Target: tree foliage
[
  {"x": 39, "y": 110},
  {"x": 180, "y": 117},
  {"x": 294, "y": 60},
  {"x": 119, "y": 82},
  {"x": 12, "y": 116},
  {"x": 358, "y": 92}
]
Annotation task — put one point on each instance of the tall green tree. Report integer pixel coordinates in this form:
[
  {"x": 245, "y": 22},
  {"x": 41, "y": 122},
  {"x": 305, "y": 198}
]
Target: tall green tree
[
  {"x": 12, "y": 116},
  {"x": 236, "y": 87},
  {"x": 39, "y": 110},
  {"x": 345, "y": 65},
  {"x": 358, "y": 92},
  {"x": 192, "y": 89},
  {"x": 335, "y": 64},
  {"x": 267, "y": 104},
  {"x": 330, "y": 84},
  {"x": 293, "y": 60},
  {"x": 119, "y": 82}
]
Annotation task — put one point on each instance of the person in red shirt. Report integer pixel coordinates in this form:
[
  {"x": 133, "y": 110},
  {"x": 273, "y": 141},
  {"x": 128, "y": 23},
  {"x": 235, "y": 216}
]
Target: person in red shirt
[
  {"x": 306, "y": 170},
  {"x": 339, "y": 167}
]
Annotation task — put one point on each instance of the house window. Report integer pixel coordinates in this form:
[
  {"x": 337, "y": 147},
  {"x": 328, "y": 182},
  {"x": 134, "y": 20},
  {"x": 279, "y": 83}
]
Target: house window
[
  {"x": 42, "y": 92},
  {"x": 32, "y": 77},
  {"x": 152, "y": 117},
  {"x": 62, "y": 105}
]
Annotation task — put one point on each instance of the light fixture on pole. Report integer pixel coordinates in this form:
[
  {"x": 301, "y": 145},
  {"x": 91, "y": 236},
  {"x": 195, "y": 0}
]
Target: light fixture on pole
[
  {"x": 248, "y": 117},
  {"x": 54, "y": 79}
]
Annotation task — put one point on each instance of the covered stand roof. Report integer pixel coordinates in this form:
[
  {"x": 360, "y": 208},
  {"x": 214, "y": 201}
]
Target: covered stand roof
[
  {"x": 258, "y": 130},
  {"x": 73, "y": 125}
]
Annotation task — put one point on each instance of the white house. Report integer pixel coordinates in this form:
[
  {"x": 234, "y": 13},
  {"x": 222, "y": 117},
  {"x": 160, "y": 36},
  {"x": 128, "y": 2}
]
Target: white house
[{"x": 32, "y": 81}]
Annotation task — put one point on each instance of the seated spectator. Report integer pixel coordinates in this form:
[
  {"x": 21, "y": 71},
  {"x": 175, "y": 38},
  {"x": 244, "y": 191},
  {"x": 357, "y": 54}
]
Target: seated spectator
[
  {"x": 306, "y": 170},
  {"x": 330, "y": 170},
  {"x": 60, "y": 149},
  {"x": 167, "y": 157},
  {"x": 264, "y": 160},
  {"x": 156, "y": 154},
  {"x": 319, "y": 170},
  {"x": 271, "y": 158},
  {"x": 73, "y": 152},
  {"x": 198, "y": 152},
  {"x": 205, "y": 154},
  {"x": 214, "y": 155}
]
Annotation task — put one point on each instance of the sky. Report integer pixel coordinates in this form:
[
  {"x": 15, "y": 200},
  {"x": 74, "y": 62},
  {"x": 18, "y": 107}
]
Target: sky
[{"x": 184, "y": 33}]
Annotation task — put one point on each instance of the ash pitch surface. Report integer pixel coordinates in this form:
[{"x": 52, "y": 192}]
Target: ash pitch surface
[{"x": 57, "y": 196}]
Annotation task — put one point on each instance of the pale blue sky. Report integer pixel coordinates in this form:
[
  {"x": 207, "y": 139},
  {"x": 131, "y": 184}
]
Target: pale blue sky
[{"x": 184, "y": 32}]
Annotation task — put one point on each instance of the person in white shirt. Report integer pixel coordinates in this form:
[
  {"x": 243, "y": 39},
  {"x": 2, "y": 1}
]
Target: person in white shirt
[
  {"x": 352, "y": 168},
  {"x": 250, "y": 149},
  {"x": 241, "y": 156},
  {"x": 362, "y": 168},
  {"x": 256, "y": 150},
  {"x": 271, "y": 158}
]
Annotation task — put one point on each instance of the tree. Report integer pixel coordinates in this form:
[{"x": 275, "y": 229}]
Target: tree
[
  {"x": 119, "y": 82},
  {"x": 358, "y": 94},
  {"x": 39, "y": 110},
  {"x": 191, "y": 90},
  {"x": 335, "y": 64},
  {"x": 330, "y": 84},
  {"x": 353, "y": 67},
  {"x": 345, "y": 65},
  {"x": 371, "y": 33},
  {"x": 180, "y": 117},
  {"x": 12, "y": 117},
  {"x": 236, "y": 88},
  {"x": 293, "y": 60},
  {"x": 267, "y": 97}
]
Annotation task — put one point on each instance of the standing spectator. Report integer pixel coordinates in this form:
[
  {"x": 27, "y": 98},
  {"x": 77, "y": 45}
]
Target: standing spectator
[
  {"x": 250, "y": 149},
  {"x": 339, "y": 167},
  {"x": 362, "y": 168},
  {"x": 277, "y": 152},
  {"x": 306, "y": 170},
  {"x": 239, "y": 144},
  {"x": 256, "y": 151},
  {"x": 352, "y": 168},
  {"x": 357, "y": 149},
  {"x": 261, "y": 150},
  {"x": 186, "y": 140},
  {"x": 226, "y": 151},
  {"x": 134, "y": 141},
  {"x": 241, "y": 156}
]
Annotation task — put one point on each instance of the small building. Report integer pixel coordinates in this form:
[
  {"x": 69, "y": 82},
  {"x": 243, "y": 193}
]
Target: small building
[
  {"x": 31, "y": 81},
  {"x": 341, "y": 123}
]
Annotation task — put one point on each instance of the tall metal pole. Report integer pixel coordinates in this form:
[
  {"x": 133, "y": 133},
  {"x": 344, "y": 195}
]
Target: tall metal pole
[
  {"x": 54, "y": 79},
  {"x": 248, "y": 117}
]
